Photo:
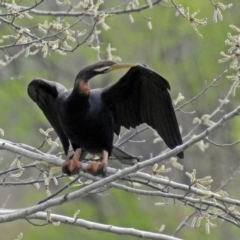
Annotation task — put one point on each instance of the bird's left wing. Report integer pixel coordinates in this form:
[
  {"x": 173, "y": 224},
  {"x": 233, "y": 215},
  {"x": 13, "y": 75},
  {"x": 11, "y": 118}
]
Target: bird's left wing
[
  {"x": 141, "y": 96},
  {"x": 45, "y": 93}
]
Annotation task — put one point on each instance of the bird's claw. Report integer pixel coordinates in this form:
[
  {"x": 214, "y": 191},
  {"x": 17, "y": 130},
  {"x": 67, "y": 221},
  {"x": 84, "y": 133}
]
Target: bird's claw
[
  {"x": 71, "y": 167},
  {"x": 97, "y": 168}
]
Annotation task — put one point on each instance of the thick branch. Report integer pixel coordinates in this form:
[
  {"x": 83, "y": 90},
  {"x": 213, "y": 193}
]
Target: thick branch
[{"x": 96, "y": 226}]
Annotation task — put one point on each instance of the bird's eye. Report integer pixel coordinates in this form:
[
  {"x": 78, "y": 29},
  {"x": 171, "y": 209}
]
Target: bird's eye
[
  {"x": 102, "y": 69},
  {"x": 144, "y": 65}
]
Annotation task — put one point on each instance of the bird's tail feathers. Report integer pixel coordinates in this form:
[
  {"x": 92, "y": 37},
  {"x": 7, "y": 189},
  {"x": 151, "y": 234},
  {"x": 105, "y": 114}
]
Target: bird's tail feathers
[{"x": 124, "y": 157}]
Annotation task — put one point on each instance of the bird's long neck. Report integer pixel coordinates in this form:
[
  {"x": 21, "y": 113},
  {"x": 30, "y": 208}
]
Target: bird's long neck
[{"x": 82, "y": 87}]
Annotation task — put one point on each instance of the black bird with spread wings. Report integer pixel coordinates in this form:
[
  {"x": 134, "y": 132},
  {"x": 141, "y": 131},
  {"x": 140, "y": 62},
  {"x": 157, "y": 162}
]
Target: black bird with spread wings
[{"x": 89, "y": 118}]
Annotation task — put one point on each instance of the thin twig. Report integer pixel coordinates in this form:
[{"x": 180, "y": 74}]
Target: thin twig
[
  {"x": 222, "y": 145},
  {"x": 212, "y": 84}
]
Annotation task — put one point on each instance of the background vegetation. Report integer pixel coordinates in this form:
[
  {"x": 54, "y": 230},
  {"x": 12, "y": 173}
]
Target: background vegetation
[{"x": 173, "y": 49}]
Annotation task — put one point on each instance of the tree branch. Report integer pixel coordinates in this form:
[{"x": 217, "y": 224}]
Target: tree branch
[{"x": 96, "y": 226}]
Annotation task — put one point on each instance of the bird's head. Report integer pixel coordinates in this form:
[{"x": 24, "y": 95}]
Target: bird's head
[{"x": 100, "y": 68}]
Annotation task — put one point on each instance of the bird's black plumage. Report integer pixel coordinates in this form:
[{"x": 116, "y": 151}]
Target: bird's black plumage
[{"x": 89, "y": 118}]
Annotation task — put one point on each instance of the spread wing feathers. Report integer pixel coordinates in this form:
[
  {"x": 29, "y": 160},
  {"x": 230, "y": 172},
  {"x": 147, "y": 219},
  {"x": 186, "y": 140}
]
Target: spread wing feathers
[
  {"x": 44, "y": 93},
  {"x": 141, "y": 96}
]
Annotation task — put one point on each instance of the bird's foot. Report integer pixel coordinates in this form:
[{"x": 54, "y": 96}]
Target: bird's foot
[
  {"x": 71, "y": 166},
  {"x": 97, "y": 168}
]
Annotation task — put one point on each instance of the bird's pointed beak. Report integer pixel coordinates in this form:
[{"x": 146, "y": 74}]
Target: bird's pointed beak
[{"x": 124, "y": 65}]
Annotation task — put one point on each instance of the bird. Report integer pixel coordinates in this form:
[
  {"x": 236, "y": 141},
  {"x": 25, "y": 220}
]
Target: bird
[{"x": 88, "y": 118}]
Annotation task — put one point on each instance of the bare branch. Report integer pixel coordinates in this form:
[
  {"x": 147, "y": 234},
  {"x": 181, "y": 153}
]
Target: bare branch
[
  {"x": 95, "y": 226},
  {"x": 12, "y": 58},
  {"x": 222, "y": 145},
  {"x": 212, "y": 84},
  {"x": 183, "y": 223}
]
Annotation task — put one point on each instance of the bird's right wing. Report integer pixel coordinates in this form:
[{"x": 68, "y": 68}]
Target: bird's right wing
[
  {"x": 141, "y": 96},
  {"x": 45, "y": 93}
]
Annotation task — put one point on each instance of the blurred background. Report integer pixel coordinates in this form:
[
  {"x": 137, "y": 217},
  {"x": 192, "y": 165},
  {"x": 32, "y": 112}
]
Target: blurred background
[{"x": 173, "y": 49}]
